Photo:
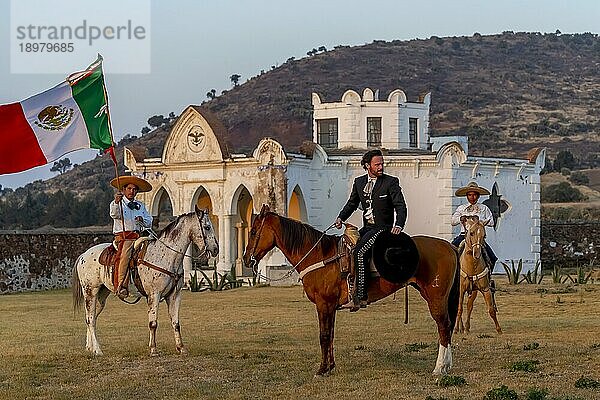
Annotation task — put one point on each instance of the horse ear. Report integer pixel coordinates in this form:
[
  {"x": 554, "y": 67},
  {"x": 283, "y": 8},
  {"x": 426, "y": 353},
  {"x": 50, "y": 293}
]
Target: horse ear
[{"x": 265, "y": 209}]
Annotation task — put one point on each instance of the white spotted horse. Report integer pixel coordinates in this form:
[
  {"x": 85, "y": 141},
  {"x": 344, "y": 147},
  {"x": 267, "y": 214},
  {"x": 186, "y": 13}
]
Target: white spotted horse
[{"x": 160, "y": 275}]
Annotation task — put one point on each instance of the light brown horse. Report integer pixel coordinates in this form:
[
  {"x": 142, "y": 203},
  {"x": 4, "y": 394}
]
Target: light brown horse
[
  {"x": 474, "y": 275},
  {"x": 436, "y": 278}
]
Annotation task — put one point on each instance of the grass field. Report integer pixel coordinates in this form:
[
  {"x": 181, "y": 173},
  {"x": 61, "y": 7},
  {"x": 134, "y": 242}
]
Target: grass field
[{"x": 260, "y": 343}]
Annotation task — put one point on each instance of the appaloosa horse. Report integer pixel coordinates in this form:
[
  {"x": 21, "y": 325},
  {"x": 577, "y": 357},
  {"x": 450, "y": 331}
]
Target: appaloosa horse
[
  {"x": 474, "y": 275},
  {"x": 436, "y": 277},
  {"x": 93, "y": 282}
]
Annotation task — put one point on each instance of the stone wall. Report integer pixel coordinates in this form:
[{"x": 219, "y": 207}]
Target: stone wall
[
  {"x": 42, "y": 261},
  {"x": 570, "y": 244}
]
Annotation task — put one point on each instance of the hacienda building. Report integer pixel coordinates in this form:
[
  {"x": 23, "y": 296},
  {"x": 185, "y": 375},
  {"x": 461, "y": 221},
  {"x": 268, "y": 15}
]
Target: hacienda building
[{"x": 197, "y": 168}]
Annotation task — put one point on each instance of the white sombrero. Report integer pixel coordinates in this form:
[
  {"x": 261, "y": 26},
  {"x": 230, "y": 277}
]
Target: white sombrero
[
  {"x": 471, "y": 187},
  {"x": 122, "y": 181}
]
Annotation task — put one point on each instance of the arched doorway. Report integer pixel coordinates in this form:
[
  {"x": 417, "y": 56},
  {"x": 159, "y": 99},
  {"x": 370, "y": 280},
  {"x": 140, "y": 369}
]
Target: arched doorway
[
  {"x": 242, "y": 207},
  {"x": 162, "y": 210},
  {"x": 297, "y": 207},
  {"x": 202, "y": 200}
]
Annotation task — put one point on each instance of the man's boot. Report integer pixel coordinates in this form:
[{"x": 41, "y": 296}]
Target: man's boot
[{"x": 352, "y": 303}]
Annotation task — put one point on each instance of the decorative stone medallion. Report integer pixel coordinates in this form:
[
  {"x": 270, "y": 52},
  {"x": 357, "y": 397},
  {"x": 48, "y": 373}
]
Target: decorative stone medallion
[{"x": 196, "y": 139}]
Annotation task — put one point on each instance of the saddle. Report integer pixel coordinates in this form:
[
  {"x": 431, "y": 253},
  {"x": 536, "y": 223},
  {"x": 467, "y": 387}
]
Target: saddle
[{"x": 110, "y": 259}]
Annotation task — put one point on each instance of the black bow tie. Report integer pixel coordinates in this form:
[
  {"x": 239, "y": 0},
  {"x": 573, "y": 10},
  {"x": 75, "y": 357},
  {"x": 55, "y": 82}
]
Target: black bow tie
[{"x": 133, "y": 205}]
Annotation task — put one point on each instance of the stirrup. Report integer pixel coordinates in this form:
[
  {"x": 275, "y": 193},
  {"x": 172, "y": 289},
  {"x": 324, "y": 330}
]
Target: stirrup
[
  {"x": 122, "y": 293},
  {"x": 351, "y": 305}
]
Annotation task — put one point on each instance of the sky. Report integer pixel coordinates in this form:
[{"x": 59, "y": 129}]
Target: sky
[{"x": 195, "y": 46}]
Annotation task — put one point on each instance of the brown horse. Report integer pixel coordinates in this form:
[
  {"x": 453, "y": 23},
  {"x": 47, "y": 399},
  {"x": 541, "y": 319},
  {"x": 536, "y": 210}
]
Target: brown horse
[
  {"x": 436, "y": 278},
  {"x": 474, "y": 275}
]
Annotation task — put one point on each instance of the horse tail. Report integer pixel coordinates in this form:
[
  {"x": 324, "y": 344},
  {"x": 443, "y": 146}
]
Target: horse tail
[
  {"x": 76, "y": 288},
  {"x": 454, "y": 292}
]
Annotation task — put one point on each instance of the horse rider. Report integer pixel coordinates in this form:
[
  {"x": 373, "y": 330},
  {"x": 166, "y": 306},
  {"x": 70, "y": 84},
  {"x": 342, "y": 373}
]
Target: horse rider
[
  {"x": 471, "y": 209},
  {"x": 381, "y": 197},
  {"x": 129, "y": 217}
]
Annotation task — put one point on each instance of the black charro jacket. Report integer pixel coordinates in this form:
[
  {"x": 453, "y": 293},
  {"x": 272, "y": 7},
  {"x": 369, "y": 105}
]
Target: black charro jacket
[{"x": 387, "y": 197}]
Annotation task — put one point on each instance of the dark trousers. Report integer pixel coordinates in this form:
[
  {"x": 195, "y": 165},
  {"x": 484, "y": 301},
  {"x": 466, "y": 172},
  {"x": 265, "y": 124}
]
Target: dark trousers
[
  {"x": 362, "y": 258},
  {"x": 491, "y": 255}
]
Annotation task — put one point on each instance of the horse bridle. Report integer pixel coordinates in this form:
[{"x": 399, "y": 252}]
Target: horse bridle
[
  {"x": 253, "y": 261},
  {"x": 473, "y": 245}
]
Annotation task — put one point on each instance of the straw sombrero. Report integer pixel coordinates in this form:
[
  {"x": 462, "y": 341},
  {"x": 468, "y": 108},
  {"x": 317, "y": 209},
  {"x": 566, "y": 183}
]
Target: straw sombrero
[
  {"x": 143, "y": 185},
  {"x": 471, "y": 187}
]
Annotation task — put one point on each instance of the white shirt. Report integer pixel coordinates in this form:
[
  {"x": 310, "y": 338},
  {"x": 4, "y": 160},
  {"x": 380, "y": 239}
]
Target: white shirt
[
  {"x": 130, "y": 223},
  {"x": 470, "y": 210}
]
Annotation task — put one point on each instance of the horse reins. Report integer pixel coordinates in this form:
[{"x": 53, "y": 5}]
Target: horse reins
[{"x": 290, "y": 272}]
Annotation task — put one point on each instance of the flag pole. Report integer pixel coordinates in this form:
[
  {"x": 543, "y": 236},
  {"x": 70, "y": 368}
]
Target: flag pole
[{"x": 111, "y": 150}]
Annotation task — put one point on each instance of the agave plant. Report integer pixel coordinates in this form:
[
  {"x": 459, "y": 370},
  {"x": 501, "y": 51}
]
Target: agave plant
[
  {"x": 532, "y": 277},
  {"x": 514, "y": 271},
  {"x": 557, "y": 274}
]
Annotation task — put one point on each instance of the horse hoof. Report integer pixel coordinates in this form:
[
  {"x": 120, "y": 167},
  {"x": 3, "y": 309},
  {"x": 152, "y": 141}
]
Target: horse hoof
[
  {"x": 154, "y": 353},
  {"x": 183, "y": 351}
]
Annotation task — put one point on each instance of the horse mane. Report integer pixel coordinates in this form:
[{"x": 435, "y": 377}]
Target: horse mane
[
  {"x": 294, "y": 234},
  {"x": 172, "y": 229}
]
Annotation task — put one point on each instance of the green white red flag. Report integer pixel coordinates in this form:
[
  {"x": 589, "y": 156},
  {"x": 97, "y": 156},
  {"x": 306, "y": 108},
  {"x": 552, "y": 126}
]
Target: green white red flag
[{"x": 71, "y": 116}]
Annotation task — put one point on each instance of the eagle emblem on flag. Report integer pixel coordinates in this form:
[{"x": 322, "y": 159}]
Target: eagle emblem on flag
[{"x": 54, "y": 118}]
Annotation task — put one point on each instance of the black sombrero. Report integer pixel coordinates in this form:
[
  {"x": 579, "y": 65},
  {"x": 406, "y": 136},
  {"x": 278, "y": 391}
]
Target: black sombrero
[{"x": 395, "y": 256}]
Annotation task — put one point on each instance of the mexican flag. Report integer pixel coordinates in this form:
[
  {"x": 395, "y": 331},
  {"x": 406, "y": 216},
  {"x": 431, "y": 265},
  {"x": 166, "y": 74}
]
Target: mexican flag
[{"x": 71, "y": 116}]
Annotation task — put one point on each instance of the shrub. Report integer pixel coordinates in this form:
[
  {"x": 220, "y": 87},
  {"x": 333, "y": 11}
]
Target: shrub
[
  {"x": 561, "y": 193},
  {"x": 525, "y": 366},
  {"x": 579, "y": 178},
  {"x": 537, "y": 394},
  {"x": 565, "y": 171},
  {"x": 414, "y": 347},
  {"x": 501, "y": 393},
  {"x": 450, "y": 380},
  {"x": 531, "y": 346},
  {"x": 587, "y": 383}
]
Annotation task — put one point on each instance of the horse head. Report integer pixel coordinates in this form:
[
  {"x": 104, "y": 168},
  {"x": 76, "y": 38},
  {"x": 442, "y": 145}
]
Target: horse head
[
  {"x": 261, "y": 239},
  {"x": 475, "y": 236},
  {"x": 204, "y": 237}
]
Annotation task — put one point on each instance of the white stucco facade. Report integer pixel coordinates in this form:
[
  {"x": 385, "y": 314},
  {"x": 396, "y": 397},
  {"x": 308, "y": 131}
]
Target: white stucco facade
[{"x": 194, "y": 170}]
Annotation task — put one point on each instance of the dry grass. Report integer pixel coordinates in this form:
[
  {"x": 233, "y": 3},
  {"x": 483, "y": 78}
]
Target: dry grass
[{"x": 255, "y": 343}]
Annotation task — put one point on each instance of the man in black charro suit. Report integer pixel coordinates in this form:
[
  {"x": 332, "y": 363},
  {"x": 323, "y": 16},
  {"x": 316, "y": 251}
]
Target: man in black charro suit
[{"x": 381, "y": 197}]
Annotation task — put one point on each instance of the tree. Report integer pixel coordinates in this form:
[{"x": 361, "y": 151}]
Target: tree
[
  {"x": 561, "y": 193},
  {"x": 564, "y": 159},
  {"x": 211, "y": 94},
  {"x": 172, "y": 116},
  {"x": 482, "y": 138},
  {"x": 235, "y": 79},
  {"x": 145, "y": 130},
  {"x": 157, "y": 121},
  {"x": 61, "y": 166}
]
